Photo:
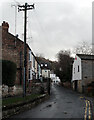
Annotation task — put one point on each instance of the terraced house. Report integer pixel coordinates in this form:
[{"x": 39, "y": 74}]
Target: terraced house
[
  {"x": 13, "y": 50},
  {"x": 36, "y": 67}
]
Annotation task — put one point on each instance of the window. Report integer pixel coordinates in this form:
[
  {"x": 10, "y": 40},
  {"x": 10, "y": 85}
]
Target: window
[
  {"x": 41, "y": 65},
  {"x": 30, "y": 74},
  {"x": 78, "y": 68},
  {"x": 74, "y": 70},
  {"x": 33, "y": 62},
  {"x": 29, "y": 55},
  {"x": 45, "y": 65}
]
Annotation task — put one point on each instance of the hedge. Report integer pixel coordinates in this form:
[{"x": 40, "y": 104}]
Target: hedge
[{"x": 8, "y": 73}]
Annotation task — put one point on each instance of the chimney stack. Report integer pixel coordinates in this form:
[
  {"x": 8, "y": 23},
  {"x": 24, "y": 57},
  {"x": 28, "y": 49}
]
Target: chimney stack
[{"x": 5, "y": 26}]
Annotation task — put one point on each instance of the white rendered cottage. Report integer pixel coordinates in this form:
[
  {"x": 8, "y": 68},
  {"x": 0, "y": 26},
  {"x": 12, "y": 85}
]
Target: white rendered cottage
[{"x": 83, "y": 71}]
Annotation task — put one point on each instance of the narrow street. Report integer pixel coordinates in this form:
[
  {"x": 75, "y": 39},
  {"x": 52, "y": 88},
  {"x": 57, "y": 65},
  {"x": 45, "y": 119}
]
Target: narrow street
[{"x": 63, "y": 103}]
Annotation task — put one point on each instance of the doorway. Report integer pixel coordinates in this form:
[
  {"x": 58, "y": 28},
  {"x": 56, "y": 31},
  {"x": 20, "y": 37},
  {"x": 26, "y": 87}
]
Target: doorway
[{"x": 75, "y": 85}]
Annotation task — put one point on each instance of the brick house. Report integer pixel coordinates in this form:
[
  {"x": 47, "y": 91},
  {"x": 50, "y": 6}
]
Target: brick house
[
  {"x": 13, "y": 50},
  {"x": 83, "y": 72}
]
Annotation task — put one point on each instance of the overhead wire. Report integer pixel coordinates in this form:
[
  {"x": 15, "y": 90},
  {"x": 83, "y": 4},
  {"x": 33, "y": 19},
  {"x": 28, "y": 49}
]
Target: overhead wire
[{"x": 42, "y": 28}]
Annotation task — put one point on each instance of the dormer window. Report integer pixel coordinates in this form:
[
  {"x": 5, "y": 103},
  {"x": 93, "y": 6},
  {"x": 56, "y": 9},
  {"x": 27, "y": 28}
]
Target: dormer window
[
  {"x": 41, "y": 65},
  {"x": 45, "y": 65}
]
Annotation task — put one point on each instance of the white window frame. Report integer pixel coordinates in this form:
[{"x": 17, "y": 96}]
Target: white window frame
[{"x": 30, "y": 56}]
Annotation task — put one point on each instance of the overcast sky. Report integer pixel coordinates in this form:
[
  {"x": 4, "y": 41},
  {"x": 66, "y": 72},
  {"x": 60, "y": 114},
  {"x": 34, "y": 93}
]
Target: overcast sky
[{"x": 51, "y": 26}]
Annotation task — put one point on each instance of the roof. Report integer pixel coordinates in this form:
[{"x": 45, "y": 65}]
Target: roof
[
  {"x": 85, "y": 56},
  {"x": 17, "y": 39},
  {"x": 45, "y": 64}
]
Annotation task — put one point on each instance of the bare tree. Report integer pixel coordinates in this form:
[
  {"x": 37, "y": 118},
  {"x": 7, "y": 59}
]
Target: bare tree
[{"x": 83, "y": 48}]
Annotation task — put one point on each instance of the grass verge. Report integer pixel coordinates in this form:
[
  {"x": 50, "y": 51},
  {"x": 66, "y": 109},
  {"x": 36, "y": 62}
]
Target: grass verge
[{"x": 16, "y": 100}]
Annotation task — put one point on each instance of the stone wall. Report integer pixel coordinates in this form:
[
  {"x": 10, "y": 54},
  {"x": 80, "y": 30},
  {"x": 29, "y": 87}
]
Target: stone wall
[
  {"x": 87, "y": 81},
  {"x": 73, "y": 85},
  {"x": 11, "y": 91},
  {"x": 34, "y": 88},
  {"x": 67, "y": 84},
  {"x": 79, "y": 86},
  {"x": 38, "y": 88},
  {"x": 87, "y": 71}
]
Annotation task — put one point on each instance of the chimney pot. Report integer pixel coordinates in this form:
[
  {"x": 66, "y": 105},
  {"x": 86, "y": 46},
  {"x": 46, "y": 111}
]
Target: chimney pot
[{"x": 5, "y": 26}]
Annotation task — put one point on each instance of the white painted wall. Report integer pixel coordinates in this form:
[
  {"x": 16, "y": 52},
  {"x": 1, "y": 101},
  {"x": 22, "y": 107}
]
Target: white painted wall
[
  {"x": 52, "y": 76},
  {"x": 36, "y": 68},
  {"x": 75, "y": 74},
  {"x": 46, "y": 73},
  {"x": 30, "y": 62},
  {"x": 33, "y": 69},
  {"x": 39, "y": 71},
  {"x": 93, "y": 27},
  {"x": 56, "y": 80}
]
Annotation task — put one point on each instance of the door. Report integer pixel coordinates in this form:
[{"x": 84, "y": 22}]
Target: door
[{"x": 75, "y": 85}]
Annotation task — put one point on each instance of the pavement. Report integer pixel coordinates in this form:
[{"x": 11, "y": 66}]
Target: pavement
[{"x": 63, "y": 103}]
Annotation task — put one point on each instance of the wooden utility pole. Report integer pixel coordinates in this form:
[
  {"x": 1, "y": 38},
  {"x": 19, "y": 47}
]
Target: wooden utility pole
[{"x": 25, "y": 8}]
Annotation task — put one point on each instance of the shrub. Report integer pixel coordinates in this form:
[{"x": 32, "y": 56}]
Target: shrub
[{"x": 8, "y": 73}]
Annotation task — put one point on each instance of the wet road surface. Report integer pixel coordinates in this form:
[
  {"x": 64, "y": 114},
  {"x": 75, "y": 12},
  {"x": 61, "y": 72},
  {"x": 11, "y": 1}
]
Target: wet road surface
[{"x": 63, "y": 103}]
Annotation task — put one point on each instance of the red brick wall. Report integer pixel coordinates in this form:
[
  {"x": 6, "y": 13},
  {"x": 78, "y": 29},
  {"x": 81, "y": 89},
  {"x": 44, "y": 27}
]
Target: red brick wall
[{"x": 11, "y": 51}]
